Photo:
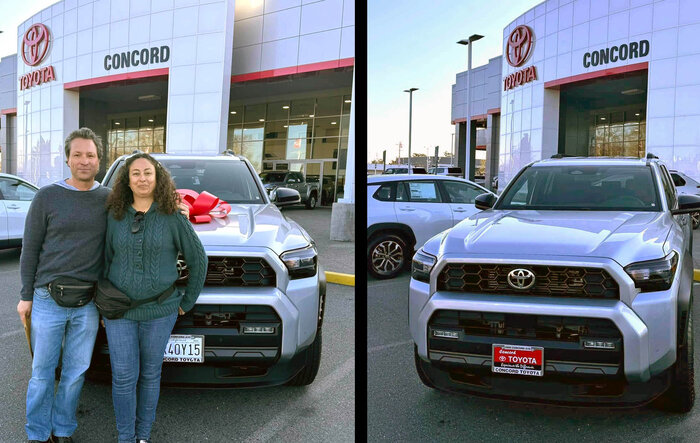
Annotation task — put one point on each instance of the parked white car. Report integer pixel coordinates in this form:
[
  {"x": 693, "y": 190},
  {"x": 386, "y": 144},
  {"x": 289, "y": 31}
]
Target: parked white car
[
  {"x": 687, "y": 185},
  {"x": 404, "y": 211},
  {"x": 16, "y": 195}
]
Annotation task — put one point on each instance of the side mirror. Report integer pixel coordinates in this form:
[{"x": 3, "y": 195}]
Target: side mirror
[
  {"x": 285, "y": 197},
  {"x": 485, "y": 201},
  {"x": 687, "y": 203}
]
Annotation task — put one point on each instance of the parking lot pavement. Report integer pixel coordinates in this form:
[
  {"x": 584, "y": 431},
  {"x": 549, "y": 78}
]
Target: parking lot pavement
[
  {"x": 336, "y": 256},
  {"x": 696, "y": 248},
  {"x": 401, "y": 408}
]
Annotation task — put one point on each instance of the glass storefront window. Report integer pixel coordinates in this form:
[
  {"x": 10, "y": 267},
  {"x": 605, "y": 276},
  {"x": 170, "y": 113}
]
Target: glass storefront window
[
  {"x": 275, "y": 149},
  {"x": 254, "y": 113},
  {"x": 344, "y": 125},
  {"x": 276, "y": 130},
  {"x": 326, "y": 147},
  {"x": 306, "y": 122},
  {"x": 253, "y": 133},
  {"x": 327, "y": 127},
  {"x": 278, "y": 110},
  {"x": 302, "y": 108},
  {"x": 296, "y": 142},
  {"x": 144, "y": 132},
  {"x": 618, "y": 133},
  {"x": 326, "y": 106},
  {"x": 235, "y": 115},
  {"x": 346, "y": 104}
]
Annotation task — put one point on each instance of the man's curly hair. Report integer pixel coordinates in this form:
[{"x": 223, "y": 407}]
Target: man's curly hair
[{"x": 164, "y": 193}]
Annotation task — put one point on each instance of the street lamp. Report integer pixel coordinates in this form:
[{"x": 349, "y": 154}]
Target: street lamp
[
  {"x": 410, "y": 113},
  {"x": 471, "y": 39}
]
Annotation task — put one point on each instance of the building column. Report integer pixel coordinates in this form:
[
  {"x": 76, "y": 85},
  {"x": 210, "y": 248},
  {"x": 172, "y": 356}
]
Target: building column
[
  {"x": 461, "y": 141},
  {"x": 492, "y": 151},
  {"x": 343, "y": 212}
]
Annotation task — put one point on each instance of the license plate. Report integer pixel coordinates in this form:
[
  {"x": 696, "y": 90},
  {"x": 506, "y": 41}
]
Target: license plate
[
  {"x": 185, "y": 349},
  {"x": 518, "y": 360}
]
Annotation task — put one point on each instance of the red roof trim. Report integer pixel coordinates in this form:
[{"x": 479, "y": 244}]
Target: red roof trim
[
  {"x": 494, "y": 111},
  {"x": 597, "y": 74},
  {"x": 162, "y": 72},
  {"x": 9, "y": 111},
  {"x": 321, "y": 66}
]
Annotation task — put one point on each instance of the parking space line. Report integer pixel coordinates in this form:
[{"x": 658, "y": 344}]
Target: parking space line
[
  {"x": 341, "y": 279},
  {"x": 314, "y": 393},
  {"x": 391, "y": 345}
]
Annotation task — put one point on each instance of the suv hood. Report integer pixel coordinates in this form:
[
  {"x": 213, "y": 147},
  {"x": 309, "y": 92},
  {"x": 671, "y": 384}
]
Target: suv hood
[
  {"x": 621, "y": 236},
  {"x": 253, "y": 226}
]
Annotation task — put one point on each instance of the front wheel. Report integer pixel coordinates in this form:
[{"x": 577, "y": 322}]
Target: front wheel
[
  {"x": 311, "y": 201},
  {"x": 386, "y": 256},
  {"x": 680, "y": 396},
  {"x": 313, "y": 360}
]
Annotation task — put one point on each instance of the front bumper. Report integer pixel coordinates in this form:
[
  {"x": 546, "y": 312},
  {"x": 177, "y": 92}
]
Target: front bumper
[{"x": 639, "y": 373}]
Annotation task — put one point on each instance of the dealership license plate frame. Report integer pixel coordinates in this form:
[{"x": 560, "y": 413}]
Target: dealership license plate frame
[
  {"x": 187, "y": 342},
  {"x": 517, "y": 368}
]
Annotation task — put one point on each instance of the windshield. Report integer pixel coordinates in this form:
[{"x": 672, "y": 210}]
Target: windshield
[
  {"x": 272, "y": 177},
  {"x": 228, "y": 180},
  {"x": 593, "y": 188}
]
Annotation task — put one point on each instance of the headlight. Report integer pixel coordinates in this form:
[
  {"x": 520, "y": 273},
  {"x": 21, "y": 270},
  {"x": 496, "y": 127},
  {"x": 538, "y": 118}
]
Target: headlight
[
  {"x": 301, "y": 263},
  {"x": 654, "y": 275},
  {"x": 422, "y": 265}
]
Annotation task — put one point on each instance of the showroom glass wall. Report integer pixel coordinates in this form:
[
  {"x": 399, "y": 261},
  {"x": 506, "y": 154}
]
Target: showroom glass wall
[
  {"x": 143, "y": 131},
  {"x": 309, "y": 135}
]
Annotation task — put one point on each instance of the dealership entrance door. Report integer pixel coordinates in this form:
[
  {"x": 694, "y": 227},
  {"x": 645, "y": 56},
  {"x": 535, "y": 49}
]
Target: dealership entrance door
[
  {"x": 605, "y": 116},
  {"x": 323, "y": 170}
]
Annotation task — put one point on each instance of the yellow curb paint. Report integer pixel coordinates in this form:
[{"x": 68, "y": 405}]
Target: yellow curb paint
[
  {"x": 342, "y": 279},
  {"x": 696, "y": 275}
]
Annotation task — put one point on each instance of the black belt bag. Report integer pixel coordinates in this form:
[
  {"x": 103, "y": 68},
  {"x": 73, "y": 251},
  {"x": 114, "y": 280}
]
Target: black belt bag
[
  {"x": 70, "y": 292},
  {"x": 113, "y": 303}
]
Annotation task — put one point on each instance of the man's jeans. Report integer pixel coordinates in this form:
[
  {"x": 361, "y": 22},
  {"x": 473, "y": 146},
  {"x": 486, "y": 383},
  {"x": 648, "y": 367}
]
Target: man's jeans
[
  {"x": 51, "y": 324},
  {"x": 136, "y": 351}
]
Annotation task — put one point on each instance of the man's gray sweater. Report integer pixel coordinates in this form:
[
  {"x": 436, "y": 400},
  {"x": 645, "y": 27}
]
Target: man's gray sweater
[{"x": 63, "y": 236}]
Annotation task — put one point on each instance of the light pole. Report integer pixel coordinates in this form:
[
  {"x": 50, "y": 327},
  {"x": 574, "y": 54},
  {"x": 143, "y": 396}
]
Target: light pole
[
  {"x": 410, "y": 114},
  {"x": 471, "y": 39}
]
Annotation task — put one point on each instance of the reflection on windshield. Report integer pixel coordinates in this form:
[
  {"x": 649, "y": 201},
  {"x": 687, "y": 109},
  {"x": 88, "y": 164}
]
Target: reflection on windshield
[
  {"x": 593, "y": 188},
  {"x": 272, "y": 177}
]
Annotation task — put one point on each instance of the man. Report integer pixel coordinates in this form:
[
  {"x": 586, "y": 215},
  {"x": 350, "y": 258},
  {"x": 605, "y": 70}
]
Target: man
[{"x": 63, "y": 237}]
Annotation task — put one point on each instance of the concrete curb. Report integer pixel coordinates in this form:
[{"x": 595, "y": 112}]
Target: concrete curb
[{"x": 347, "y": 279}]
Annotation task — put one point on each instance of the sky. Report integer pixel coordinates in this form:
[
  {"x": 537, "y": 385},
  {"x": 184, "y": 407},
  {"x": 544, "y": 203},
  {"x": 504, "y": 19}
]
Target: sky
[
  {"x": 12, "y": 13},
  {"x": 412, "y": 44}
]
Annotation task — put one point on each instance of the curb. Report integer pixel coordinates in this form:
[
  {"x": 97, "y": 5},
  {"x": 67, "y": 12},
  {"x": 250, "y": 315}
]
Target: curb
[
  {"x": 696, "y": 275},
  {"x": 349, "y": 279}
]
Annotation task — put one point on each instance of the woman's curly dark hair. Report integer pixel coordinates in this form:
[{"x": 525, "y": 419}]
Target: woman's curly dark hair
[{"x": 164, "y": 193}]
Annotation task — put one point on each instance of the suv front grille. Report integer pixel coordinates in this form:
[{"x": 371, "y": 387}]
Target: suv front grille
[
  {"x": 228, "y": 316},
  {"x": 233, "y": 271},
  {"x": 550, "y": 281}
]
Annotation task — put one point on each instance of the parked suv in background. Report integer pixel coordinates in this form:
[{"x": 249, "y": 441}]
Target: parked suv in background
[
  {"x": 687, "y": 185},
  {"x": 309, "y": 191},
  {"x": 575, "y": 286},
  {"x": 403, "y": 211},
  {"x": 260, "y": 312},
  {"x": 452, "y": 172}
]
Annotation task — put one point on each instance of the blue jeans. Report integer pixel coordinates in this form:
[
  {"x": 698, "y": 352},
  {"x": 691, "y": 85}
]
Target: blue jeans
[
  {"x": 51, "y": 326},
  {"x": 136, "y": 351}
]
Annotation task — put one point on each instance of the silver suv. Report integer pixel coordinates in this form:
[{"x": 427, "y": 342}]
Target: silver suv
[
  {"x": 257, "y": 322},
  {"x": 574, "y": 286}
]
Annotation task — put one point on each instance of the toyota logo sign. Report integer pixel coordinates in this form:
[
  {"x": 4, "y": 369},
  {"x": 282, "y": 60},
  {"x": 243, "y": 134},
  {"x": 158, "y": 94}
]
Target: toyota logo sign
[
  {"x": 35, "y": 44},
  {"x": 521, "y": 279},
  {"x": 519, "y": 46}
]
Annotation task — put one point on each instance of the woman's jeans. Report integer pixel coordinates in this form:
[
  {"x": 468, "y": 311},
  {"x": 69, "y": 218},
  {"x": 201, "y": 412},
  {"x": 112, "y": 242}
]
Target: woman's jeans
[
  {"x": 136, "y": 351},
  {"x": 53, "y": 326}
]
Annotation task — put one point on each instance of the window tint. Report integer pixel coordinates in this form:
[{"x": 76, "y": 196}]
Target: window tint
[
  {"x": 401, "y": 195},
  {"x": 15, "y": 190},
  {"x": 677, "y": 179},
  {"x": 423, "y": 191},
  {"x": 386, "y": 192},
  {"x": 669, "y": 188},
  {"x": 24, "y": 192},
  {"x": 461, "y": 192}
]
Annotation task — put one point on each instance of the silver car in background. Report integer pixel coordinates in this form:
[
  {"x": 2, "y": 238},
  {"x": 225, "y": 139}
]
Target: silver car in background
[{"x": 687, "y": 185}]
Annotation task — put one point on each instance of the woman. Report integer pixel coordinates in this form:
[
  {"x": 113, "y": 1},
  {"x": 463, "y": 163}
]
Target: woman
[{"x": 145, "y": 232}]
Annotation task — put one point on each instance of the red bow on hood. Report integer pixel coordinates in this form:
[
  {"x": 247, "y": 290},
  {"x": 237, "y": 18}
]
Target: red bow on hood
[{"x": 203, "y": 206}]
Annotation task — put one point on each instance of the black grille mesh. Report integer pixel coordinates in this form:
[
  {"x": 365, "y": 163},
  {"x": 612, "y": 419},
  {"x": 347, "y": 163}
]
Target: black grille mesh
[
  {"x": 551, "y": 281},
  {"x": 235, "y": 271}
]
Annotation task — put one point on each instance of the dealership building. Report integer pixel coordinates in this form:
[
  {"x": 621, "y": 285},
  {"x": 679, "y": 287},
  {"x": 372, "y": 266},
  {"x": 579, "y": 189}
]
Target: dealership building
[
  {"x": 586, "y": 78},
  {"x": 269, "y": 79}
]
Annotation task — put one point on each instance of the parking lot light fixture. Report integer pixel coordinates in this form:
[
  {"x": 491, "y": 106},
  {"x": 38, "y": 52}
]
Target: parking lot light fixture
[{"x": 410, "y": 115}]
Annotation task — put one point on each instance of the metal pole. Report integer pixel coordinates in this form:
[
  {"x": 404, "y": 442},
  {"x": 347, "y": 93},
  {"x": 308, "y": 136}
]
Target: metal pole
[
  {"x": 410, "y": 116},
  {"x": 469, "y": 116},
  {"x": 452, "y": 150}
]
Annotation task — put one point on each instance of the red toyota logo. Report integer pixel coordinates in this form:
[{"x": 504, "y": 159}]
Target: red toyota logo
[
  {"x": 35, "y": 44},
  {"x": 519, "y": 46}
]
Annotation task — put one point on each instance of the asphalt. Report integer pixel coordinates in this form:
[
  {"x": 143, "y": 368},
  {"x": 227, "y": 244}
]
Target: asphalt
[{"x": 335, "y": 256}]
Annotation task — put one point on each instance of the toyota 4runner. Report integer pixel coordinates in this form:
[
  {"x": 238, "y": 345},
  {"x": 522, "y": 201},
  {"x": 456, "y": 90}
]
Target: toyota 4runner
[
  {"x": 257, "y": 321},
  {"x": 574, "y": 286}
]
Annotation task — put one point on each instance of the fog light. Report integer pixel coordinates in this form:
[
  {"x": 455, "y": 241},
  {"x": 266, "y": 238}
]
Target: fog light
[
  {"x": 445, "y": 334},
  {"x": 595, "y": 344},
  {"x": 258, "y": 329}
]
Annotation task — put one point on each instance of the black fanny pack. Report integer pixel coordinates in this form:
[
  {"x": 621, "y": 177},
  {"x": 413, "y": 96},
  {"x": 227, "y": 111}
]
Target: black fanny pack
[
  {"x": 70, "y": 292},
  {"x": 113, "y": 303}
]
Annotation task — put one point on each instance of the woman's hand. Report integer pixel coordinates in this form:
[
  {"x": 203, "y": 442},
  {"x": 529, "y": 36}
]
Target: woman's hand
[
  {"x": 184, "y": 210},
  {"x": 180, "y": 311}
]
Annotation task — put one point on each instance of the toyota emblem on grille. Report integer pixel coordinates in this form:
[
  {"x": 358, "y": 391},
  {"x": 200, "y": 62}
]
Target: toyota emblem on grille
[{"x": 521, "y": 278}]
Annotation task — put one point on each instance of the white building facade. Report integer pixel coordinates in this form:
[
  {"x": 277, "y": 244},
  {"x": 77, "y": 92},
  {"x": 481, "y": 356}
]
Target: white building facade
[
  {"x": 598, "y": 78},
  {"x": 269, "y": 79}
]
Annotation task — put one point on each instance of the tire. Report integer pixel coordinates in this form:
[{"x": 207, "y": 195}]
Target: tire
[
  {"x": 386, "y": 256},
  {"x": 695, "y": 219},
  {"x": 680, "y": 396},
  {"x": 421, "y": 374},
  {"x": 313, "y": 360},
  {"x": 311, "y": 201}
]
